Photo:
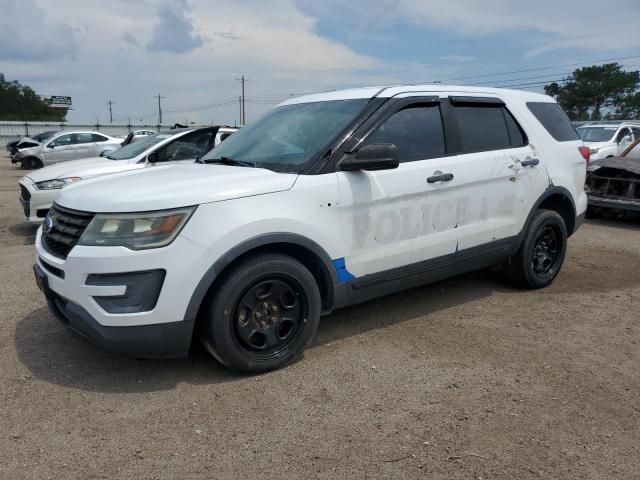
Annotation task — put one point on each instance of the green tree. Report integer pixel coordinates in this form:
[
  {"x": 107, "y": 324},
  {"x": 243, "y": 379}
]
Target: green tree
[
  {"x": 595, "y": 92},
  {"x": 629, "y": 108},
  {"x": 20, "y": 102}
]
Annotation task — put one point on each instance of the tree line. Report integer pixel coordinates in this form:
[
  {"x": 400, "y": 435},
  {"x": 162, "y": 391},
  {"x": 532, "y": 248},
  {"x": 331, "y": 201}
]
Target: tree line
[
  {"x": 599, "y": 92},
  {"x": 19, "y": 102}
]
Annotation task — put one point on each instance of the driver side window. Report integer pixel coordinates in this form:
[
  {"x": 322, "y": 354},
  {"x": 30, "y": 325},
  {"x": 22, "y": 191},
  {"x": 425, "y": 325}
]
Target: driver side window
[
  {"x": 623, "y": 133},
  {"x": 189, "y": 147},
  {"x": 416, "y": 131},
  {"x": 64, "y": 140}
]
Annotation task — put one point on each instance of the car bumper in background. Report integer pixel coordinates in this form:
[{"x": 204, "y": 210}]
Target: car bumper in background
[
  {"x": 614, "y": 203},
  {"x": 35, "y": 203}
]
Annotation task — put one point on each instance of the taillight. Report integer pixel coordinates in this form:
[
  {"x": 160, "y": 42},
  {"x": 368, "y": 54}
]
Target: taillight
[{"x": 586, "y": 153}]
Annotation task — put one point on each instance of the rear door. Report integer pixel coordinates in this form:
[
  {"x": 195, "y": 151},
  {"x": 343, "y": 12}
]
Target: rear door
[
  {"x": 97, "y": 146},
  {"x": 498, "y": 175},
  {"x": 85, "y": 146},
  {"x": 394, "y": 218}
]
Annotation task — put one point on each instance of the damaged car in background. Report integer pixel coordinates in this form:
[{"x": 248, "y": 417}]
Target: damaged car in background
[
  {"x": 27, "y": 142},
  {"x": 613, "y": 184}
]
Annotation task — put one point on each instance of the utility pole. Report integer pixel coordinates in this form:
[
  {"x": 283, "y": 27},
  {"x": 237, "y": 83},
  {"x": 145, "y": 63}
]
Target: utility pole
[
  {"x": 243, "y": 117},
  {"x": 110, "y": 111},
  {"x": 159, "y": 97},
  {"x": 240, "y": 107}
]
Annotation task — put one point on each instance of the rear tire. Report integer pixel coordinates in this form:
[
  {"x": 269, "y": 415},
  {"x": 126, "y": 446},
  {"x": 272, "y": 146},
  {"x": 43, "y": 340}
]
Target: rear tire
[
  {"x": 32, "y": 163},
  {"x": 541, "y": 253},
  {"x": 262, "y": 314}
]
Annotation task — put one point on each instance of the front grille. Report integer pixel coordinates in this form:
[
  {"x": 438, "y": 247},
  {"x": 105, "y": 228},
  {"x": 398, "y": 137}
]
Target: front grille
[
  {"x": 622, "y": 186},
  {"x": 25, "y": 193},
  {"x": 68, "y": 226}
]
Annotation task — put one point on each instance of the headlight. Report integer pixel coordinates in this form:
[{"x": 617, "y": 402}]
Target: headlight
[
  {"x": 56, "y": 183},
  {"x": 137, "y": 231}
]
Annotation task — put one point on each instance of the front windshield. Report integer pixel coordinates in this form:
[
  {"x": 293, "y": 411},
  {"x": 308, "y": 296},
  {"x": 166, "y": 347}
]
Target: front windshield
[
  {"x": 596, "y": 134},
  {"x": 43, "y": 136},
  {"x": 134, "y": 149},
  {"x": 287, "y": 137}
]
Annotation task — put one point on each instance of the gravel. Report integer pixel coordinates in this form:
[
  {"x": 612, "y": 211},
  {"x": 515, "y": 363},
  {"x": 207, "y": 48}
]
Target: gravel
[{"x": 467, "y": 379}]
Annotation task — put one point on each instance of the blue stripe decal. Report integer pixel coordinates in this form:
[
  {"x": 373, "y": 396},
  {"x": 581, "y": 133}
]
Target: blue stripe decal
[{"x": 344, "y": 275}]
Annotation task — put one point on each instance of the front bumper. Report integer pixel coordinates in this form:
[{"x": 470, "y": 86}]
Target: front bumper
[
  {"x": 165, "y": 340},
  {"x": 614, "y": 203},
  {"x": 35, "y": 203},
  {"x": 162, "y": 331}
]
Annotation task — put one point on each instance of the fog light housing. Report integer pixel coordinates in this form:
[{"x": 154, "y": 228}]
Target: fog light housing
[{"x": 141, "y": 294}]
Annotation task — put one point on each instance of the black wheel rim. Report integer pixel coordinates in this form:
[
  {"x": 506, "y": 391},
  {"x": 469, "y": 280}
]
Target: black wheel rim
[
  {"x": 546, "y": 250},
  {"x": 268, "y": 316}
]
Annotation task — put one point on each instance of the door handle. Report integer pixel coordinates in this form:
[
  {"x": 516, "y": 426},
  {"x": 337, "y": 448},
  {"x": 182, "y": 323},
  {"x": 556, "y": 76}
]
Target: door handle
[
  {"x": 532, "y": 162},
  {"x": 440, "y": 177}
]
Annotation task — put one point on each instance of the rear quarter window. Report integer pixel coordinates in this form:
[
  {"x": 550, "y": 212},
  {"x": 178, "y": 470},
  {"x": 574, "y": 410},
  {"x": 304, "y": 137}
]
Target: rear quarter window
[{"x": 554, "y": 120}]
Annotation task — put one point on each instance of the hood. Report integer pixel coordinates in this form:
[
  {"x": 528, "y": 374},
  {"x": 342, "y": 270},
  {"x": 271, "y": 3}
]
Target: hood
[
  {"x": 631, "y": 165},
  {"x": 171, "y": 186},
  {"x": 86, "y": 168}
]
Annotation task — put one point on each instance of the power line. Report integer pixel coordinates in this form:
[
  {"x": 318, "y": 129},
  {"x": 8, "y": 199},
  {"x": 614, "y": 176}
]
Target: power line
[
  {"x": 507, "y": 80},
  {"x": 550, "y": 67}
]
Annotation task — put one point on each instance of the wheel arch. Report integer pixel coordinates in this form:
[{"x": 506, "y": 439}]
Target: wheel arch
[
  {"x": 560, "y": 200},
  {"x": 26, "y": 161},
  {"x": 306, "y": 251}
]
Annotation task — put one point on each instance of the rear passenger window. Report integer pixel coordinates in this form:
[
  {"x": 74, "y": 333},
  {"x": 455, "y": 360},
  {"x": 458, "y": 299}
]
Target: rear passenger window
[
  {"x": 554, "y": 120},
  {"x": 98, "y": 138},
  {"x": 516, "y": 137},
  {"x": 416, "y": 131},
  {"x": 482, "y": 128}
]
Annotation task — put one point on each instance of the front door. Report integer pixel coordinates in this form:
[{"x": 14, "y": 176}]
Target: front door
[
  {"x": 61, "y": 148},
  {"x": 393, "y": 218}
]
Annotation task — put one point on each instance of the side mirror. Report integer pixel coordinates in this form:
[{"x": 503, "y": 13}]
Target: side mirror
[
  {"x": 626, "y": 140},
  {"x": 51, "y": 145},
  {"x": 153, "y": 157},
  {"x": 379, "y": 156}
]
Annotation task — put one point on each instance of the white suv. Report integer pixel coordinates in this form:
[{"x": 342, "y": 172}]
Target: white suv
[
  {"x": 327, "y": 200},
  {"x": 609, "y": 139}
]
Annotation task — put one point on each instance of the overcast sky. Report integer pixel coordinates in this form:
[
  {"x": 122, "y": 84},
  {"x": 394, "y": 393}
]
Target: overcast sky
[{"x": 191, "y": 51}]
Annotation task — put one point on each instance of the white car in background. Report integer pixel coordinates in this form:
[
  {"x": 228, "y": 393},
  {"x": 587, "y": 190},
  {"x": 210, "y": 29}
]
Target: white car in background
[
  {"x": 40, "y": 188},
  {"x": 65, "y": 146},
  {"x": 608, "y": 139}
]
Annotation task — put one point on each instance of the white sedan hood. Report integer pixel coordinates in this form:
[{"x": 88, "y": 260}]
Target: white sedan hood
[
  {"x": 171, "y": 186},
  {"x": 86, "y": 168}
]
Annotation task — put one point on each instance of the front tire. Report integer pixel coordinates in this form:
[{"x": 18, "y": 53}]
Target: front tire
[
  {"x": 32, "y": 163},
  {"x": 262, "y": 314},
  {"x": 541, "y": 253}
]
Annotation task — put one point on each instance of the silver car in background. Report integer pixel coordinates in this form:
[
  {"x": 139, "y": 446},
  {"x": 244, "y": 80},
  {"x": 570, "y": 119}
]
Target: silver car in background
[{"x": 64, "y": 146}]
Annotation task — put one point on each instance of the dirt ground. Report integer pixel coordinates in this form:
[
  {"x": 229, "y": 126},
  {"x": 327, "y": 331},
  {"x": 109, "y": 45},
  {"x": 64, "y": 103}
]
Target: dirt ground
[{"x": 465, "y": 379}]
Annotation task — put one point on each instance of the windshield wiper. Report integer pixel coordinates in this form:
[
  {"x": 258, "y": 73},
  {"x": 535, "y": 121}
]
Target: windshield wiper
[{"x": 229, "y": 161}]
